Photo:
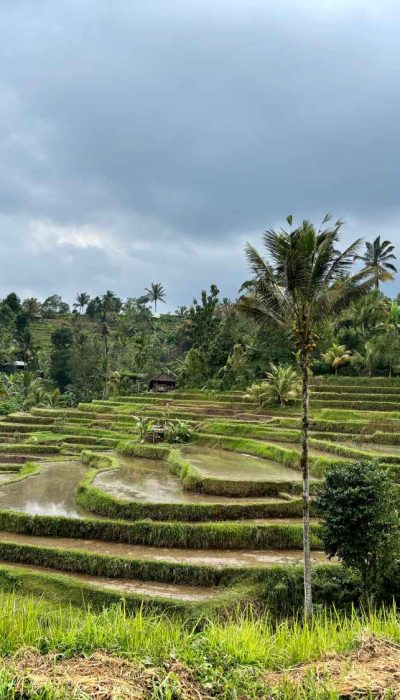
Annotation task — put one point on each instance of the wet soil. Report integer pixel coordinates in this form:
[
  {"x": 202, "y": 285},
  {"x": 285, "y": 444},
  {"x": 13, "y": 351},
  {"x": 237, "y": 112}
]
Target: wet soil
[
  {"x": 144, "y": 588},
  {"x": 218, "y": 558}
]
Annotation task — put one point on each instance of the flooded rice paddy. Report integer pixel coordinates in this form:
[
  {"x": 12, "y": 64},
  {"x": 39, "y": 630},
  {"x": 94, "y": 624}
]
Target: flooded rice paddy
[
  {"x": 151, "y": 481},
  {"x": 50, "y": 492}
]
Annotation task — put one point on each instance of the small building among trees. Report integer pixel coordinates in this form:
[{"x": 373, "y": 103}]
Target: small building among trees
[{"x": 162, "y": 382}]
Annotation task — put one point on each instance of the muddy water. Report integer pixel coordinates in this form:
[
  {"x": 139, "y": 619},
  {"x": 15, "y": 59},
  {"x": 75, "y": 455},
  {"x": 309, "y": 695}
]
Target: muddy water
[
  {"x": 144, "y": 588},
  {"x": 151, "y": 481},
  {"x": 234, "y": 466},
  {"x": 5, "y": 476},
  {"x": 219, "y": 558},
  {"x": 50, "y": 492}
]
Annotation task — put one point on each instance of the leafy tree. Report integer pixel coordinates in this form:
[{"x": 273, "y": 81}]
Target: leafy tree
[
  {"x": 193, "y": 370},
  {"x": 94, "y": 307},
  {"x": 361, "y": 525},
  {"x": 235, "y": 372},
  {"x": 60, "y": 367},
  {"x": 336, "y": 356},
  {"x": 156, "y": 293},
  {"x": 54, "y": 305},
  {"x": 26, "y": 348},
  {"x": 82, "y": 300},
  {"x": 377, "y": 256},
  {"x": 87, "y": 371},
  {"x": 32, "y": 307},
  {"x": 306, "y": 283},
  {"x": 203, "y": 318},
  {"x": 13, "y": 301}
]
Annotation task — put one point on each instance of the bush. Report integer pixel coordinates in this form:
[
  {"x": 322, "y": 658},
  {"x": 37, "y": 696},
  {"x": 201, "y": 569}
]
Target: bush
[
  {"x": 281, "y": 387},
  {"x": 359, "y": 505}
]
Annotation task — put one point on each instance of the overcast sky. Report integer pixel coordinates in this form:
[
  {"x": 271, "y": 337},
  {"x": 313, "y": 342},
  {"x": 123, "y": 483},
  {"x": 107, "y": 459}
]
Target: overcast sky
[{"x": 148, "y": 140}]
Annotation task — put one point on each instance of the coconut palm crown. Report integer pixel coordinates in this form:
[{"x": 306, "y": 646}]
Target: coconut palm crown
[
  {"x": 304, "y": 282},
  {"x": 156, "y": 293},
  {"x": 377, "y": 256},
  {"x": 82, "y": 300}
]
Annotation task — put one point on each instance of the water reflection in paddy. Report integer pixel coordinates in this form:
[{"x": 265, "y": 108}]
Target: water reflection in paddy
[
  {"x": 151, "y": 481},
  {"x": 50, "y": 492}
]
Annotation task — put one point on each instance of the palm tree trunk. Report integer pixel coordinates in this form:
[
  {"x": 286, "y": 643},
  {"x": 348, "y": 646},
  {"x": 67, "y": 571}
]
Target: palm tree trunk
[{"x": 306, "y": 487}]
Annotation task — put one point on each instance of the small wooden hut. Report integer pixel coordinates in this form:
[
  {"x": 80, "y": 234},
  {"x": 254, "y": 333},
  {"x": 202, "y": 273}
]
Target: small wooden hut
[{"x": 162, "y": 382}]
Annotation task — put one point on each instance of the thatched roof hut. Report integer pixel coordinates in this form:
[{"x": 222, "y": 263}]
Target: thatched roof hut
[{"x": 162, "y": 382}]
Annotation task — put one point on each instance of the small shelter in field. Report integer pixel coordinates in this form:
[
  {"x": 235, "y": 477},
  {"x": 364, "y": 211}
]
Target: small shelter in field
[{"x": 162, "y": 382}]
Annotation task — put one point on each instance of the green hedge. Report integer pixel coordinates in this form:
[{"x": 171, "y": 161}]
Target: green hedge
[{"x": 201, "y": 535}]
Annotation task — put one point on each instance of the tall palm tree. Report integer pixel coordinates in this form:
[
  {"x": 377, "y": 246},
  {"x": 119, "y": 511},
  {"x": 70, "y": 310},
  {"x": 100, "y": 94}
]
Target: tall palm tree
[
  {"x": 105, "y": 333},
  {"x": 305, "y": 282},
  {"x": 156, "y": 293},
  {"x": 82, "y": 300},
  {"x": 376, "y": 256}
]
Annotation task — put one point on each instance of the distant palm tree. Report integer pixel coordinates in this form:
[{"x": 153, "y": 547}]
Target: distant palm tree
[
  {"x": 376, "y": 256},
  {"x": 305, "y": 283},
  {"x": 182, "y": 311},
  {"x": 110, "y": 303},
  {"x": 156, "y": 293},
  {"x": 82, "y": 300}
]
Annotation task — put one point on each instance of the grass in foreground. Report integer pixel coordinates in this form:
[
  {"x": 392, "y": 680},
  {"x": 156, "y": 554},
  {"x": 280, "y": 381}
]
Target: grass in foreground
[{"x": 163, "y": 658}]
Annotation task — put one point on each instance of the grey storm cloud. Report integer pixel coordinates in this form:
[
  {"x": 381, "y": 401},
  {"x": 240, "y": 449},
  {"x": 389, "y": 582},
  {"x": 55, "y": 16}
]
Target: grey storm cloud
[{"x": 148, "y": 141}]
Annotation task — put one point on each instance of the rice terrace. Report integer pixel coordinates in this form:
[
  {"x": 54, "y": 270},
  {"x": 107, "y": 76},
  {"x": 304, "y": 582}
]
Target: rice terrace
[
  {"x": 145, "y": 538},
  {"x": 199, "y": 350}
]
